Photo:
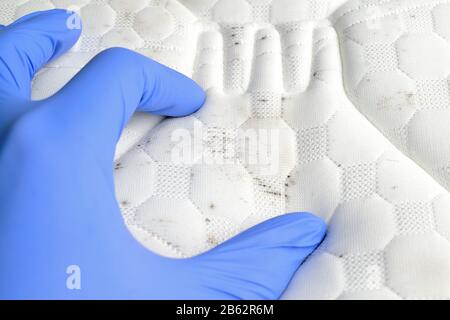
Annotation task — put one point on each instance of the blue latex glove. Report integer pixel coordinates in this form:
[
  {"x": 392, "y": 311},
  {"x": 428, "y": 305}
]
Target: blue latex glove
[{"x": 57, "y": 202}]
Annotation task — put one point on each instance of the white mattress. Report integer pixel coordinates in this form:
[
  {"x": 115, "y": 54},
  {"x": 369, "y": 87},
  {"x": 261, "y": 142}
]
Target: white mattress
[{"x": 372, "y": 159}]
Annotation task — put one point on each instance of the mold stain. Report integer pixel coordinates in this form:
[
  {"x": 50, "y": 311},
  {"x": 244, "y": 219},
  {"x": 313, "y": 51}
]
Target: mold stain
[
  {"x": 212, "y": 241},
  {"x": 399, "y": 101}
]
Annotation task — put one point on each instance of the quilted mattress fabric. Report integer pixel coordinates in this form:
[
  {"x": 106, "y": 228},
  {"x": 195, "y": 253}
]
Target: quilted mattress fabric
[{"x": 349, "y": 101}]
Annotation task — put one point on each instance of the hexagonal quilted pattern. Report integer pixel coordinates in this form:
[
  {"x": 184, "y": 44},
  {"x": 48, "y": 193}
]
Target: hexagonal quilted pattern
[{"x": 403, "y": 83}]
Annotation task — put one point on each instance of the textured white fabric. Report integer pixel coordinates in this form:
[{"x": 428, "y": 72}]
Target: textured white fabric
[{"x": 275, "y": 65}]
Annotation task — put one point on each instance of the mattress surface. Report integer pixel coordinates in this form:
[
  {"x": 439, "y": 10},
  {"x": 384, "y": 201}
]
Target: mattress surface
[{"x": 349, "y": 104}]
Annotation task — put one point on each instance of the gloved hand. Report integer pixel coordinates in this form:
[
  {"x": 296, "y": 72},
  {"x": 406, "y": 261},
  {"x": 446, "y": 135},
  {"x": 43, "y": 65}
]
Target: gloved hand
[{"x": 57, "y": 202}]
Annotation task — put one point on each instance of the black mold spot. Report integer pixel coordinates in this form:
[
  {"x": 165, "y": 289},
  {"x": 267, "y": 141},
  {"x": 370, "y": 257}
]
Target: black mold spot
[{"x": 212, "y": 240}]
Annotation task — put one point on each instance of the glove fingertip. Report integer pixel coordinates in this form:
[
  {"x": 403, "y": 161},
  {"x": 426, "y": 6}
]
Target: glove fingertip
[
  {"x": 194, "y": 100},
  {"x": 64, "y": 27},
  {"x": 178, "y": 95},
  {"x": 260, "y": 262},
  {"x": 312, "y": 225}
]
